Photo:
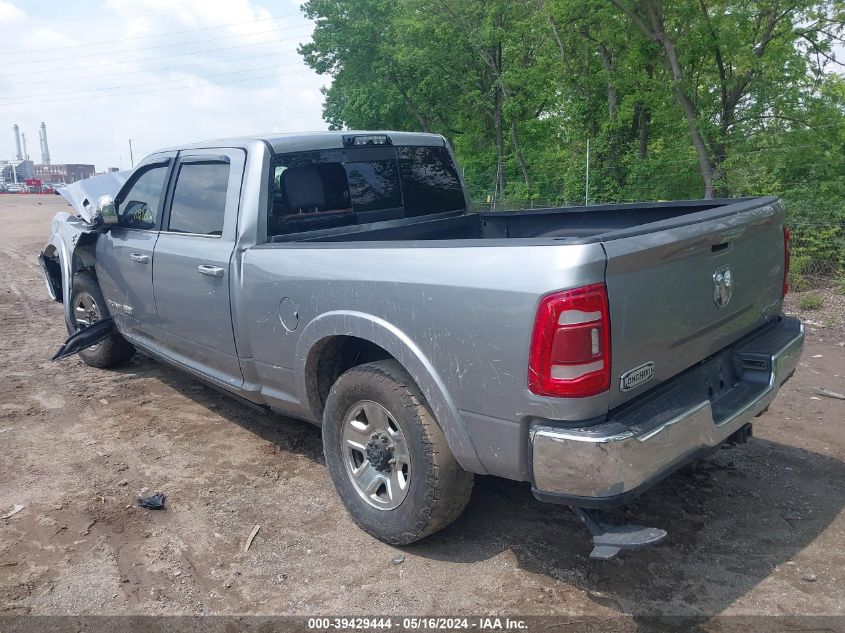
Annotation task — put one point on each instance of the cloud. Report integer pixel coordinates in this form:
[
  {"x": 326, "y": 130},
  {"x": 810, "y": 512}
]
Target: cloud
[
  {"x": 9, "y": 13},
  {"x": 99, "y": 75}
]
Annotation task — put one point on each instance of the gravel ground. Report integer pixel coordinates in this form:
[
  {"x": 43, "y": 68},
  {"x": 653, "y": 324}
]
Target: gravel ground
[
  {"x": 756, "y": 529},
  {"x": 830, "y": 315}
]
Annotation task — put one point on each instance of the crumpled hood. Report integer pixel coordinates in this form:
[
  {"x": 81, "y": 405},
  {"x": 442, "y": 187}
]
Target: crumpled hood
[{"x": 83, "y": 194}]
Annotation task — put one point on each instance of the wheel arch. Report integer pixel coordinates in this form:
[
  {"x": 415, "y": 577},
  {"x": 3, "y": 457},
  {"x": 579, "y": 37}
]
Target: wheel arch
[
  {"x": 334, "y": 336},
  {"x": 330, "y": 357},
  {"x": 70, "y": 250}
]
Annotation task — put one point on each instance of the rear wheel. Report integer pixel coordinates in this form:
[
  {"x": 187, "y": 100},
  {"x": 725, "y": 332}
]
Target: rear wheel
[
  {"x": 88, "y": 307},
  {"x": 387, "y": 456}
]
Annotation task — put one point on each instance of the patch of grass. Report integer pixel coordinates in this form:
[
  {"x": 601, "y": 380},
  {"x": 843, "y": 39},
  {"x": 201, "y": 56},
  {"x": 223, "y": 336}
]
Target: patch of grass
[
  {"x": 810, "y": 302},
  {"x": 840, "y": 285},
  {"x": 797, "y": 269}
]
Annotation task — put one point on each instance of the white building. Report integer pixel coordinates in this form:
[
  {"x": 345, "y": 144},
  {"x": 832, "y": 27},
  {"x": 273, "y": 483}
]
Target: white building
[{"x": 16, "y": 170}]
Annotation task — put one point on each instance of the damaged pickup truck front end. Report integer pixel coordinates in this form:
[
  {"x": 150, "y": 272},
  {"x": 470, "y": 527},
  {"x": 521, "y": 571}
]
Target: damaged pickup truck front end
[
  {"x": 344, "y": 279},
  {"x": 70, "y": 248}
]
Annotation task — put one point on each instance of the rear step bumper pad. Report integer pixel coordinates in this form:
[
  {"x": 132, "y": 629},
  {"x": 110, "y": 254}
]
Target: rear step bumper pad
[
  {"x": 609, "y": 539},
  {"x": 608, "y": 464}
]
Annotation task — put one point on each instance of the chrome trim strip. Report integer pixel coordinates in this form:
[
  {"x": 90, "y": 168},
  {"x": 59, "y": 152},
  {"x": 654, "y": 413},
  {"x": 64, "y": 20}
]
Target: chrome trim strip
[{"x": 190, "y": 234}]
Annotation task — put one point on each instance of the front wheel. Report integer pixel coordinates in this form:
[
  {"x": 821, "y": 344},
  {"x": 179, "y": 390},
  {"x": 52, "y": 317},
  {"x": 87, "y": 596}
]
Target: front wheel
[
  {"x": 88, "y": 307},
  {"x": 387, "y": 456}
]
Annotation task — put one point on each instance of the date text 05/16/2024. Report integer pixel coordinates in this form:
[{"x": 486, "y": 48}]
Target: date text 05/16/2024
[{"x": 417, "y": 623}]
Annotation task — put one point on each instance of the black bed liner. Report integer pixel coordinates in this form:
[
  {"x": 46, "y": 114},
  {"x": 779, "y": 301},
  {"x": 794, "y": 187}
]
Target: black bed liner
[{"x": 577, "y": 225}]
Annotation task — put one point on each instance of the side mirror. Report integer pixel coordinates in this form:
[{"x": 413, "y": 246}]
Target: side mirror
[{"x": 106, "y": 210}]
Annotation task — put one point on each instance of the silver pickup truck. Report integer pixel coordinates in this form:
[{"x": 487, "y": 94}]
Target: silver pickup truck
[{"x": 342, "y": 278}]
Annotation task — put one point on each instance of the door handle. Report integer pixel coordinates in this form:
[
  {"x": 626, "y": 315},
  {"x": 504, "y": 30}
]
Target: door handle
[
  {"x": 210, "y": 271},
  {"x": 140, "y": 258}
]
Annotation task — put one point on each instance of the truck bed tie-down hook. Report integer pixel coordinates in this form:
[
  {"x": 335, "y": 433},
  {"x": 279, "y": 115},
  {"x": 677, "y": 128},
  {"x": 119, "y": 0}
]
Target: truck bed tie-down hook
[{"x": 610, "y": 539}]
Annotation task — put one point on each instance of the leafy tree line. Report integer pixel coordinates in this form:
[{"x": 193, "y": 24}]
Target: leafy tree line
[{"x": 677, "y": 98}]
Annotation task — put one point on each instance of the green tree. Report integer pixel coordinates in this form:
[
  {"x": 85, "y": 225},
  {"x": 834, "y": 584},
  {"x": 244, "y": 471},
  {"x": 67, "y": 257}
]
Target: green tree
[
  {"x": 731, "y": 64},
  {"x": 678, "y": 99}
]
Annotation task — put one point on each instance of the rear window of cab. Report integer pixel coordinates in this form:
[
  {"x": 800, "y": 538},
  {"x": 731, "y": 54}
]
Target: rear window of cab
[{"x": 358, "y": 185}]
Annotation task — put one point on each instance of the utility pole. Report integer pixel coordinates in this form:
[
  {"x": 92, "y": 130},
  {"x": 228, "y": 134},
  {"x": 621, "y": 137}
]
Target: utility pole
[
  {"x": 587, "y": 177},
  {"x": 131, "y": 157}
]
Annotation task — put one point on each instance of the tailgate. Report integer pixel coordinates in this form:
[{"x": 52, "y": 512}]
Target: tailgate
[{"x": 678, "y": 295}]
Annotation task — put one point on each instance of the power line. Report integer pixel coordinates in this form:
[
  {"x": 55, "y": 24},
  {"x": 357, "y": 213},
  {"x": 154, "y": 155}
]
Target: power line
[
  {"x": 653, "y": 160},
  {"x": 663, "y": 185},
  {"x": 143, "y": 70},
  {"x": 667, "y": 185},
  {"x": 171, "y": 45},
  {"x": 155, "y": 59},
  {"x": 143, "y": 37},
  {"x": 37, "y": 98},
  {"x": 801, "y": 126},
  {"x": 144, "y": 92}
]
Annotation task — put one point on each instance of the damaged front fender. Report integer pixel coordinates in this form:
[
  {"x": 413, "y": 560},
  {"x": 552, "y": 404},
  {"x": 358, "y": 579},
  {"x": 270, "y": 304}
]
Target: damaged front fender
[{"x": 62, "y": 256}]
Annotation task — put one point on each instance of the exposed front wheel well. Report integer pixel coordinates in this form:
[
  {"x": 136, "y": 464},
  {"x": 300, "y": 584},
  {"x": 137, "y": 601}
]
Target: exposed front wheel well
[
  {"x": 83, "y": 258},
  {"x": 53, "y": 268},
  {"x": 330, "y": 358}
]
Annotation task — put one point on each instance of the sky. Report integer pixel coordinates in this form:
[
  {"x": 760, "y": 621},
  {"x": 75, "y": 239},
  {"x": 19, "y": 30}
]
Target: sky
[{"x": 161, "y": 72}]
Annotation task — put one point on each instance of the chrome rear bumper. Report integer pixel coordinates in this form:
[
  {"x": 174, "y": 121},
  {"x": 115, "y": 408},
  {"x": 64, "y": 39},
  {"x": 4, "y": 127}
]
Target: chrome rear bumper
[{"x": 607, "y": 464}]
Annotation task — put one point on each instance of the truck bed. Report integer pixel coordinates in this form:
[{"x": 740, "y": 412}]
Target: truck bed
[
  {"x": 662, "y": 261},
  {"x": 576, "y": 225}
]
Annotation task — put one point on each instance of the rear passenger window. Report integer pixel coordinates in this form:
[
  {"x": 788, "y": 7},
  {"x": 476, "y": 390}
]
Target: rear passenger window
[{"x": 199, "y": 199}]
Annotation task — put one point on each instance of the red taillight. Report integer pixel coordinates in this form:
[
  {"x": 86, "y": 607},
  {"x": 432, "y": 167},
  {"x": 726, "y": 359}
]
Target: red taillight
[
  {"x": 787, "y": 253},
  {"x": 570, "y": 348}
]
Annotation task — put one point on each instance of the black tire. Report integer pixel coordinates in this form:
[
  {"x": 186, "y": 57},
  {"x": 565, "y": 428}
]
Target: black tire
[
  {"x": 438, "y": 489},
  {"x": 112, "y": 351}
]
